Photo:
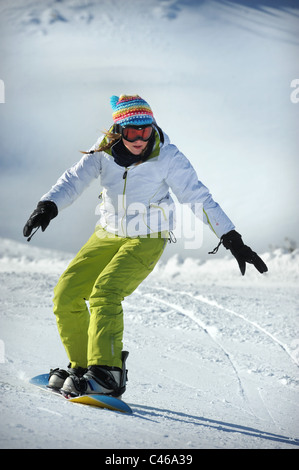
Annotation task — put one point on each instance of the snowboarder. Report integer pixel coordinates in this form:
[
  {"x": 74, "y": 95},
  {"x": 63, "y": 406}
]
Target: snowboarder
[{"x": 137, "y": 166}]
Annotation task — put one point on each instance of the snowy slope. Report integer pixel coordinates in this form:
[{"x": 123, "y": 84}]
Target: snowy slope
[
  {"x": 217, "y": 74},
  {"x": 213, "y": 358}
]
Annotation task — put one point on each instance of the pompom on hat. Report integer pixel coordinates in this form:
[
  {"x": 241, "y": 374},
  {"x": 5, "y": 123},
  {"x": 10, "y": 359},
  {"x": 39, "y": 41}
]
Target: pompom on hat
[{"x": 131, "y": 111}]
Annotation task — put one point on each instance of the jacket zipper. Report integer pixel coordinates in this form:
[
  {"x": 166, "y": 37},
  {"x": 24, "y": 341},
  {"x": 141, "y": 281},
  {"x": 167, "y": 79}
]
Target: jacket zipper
[{"x": 124, "y": 193}]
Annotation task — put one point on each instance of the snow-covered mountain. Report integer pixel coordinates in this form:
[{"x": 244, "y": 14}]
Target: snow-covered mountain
[
  {"x": 213, "y": 355},
  {"x": 213, "y": 358},
  {"x": 217, "y": 74}
]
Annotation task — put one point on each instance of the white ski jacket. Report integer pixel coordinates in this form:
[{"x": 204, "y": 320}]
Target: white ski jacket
[{"x": 136, "y": 200}]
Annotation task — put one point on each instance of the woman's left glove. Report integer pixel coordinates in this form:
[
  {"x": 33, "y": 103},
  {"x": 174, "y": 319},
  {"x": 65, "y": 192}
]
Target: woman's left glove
[{"x": 243, "y": 254}]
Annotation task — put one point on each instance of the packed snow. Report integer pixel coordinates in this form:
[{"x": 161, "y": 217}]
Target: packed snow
[
  {"x": 218, "y": 75},
  {"x": 214, "y": 356}
]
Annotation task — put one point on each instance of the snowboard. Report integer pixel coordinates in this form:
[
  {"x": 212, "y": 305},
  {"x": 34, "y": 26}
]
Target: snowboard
[{"x": 97, "y": 400}]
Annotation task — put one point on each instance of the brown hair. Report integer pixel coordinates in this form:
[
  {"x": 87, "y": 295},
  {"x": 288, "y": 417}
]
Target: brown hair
[{"x": 110, "y": 139}]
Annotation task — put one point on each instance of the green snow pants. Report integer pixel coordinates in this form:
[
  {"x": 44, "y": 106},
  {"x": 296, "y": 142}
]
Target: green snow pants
[{"x": 105, "y": 270}]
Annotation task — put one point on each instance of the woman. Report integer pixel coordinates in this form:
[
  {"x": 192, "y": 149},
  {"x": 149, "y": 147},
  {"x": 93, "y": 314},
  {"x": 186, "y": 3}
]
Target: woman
[{"x": 137, "y": 166}]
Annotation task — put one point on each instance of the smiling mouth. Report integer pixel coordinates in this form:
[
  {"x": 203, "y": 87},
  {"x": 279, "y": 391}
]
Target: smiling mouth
[{"x": 137, "y": 147}]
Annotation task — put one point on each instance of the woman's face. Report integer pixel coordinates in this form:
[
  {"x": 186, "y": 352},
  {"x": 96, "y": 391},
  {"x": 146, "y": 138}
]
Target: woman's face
[{"x": 136, "y": 148}]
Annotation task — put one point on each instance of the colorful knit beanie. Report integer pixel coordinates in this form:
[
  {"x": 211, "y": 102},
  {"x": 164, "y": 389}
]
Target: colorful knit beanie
[{"x": 131, "y": 111}]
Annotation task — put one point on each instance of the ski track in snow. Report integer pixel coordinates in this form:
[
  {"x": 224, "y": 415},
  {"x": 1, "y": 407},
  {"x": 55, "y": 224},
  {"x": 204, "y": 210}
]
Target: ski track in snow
[
  {"x": 201, "y": 374},
  {"x": 208, "y": 330},
  {"x": 175, "y": 304},
  {"x": 205, "y": 328},
  {"x": 213, "y": 362}
]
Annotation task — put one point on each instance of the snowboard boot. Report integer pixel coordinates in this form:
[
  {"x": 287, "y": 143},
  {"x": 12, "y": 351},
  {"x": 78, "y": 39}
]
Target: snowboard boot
[
  {"x": 103, "y": 380},
  {"x": 58, "y": 376}
]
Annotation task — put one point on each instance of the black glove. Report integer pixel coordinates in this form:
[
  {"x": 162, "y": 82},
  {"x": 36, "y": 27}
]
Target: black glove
[
  {"x": 243, "y": 254},
  {"x": 40, "y": 217}
]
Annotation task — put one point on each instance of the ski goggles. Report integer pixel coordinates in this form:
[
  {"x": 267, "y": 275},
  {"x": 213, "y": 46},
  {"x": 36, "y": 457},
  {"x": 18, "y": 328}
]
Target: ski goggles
[{"x": 133, "y": 133}]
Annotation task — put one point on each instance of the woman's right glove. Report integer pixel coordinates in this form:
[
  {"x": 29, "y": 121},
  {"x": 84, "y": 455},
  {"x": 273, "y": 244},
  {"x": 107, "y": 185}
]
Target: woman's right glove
[
  {"x": 243, "y": 254},
  {"x": 40, "y": 217}
]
